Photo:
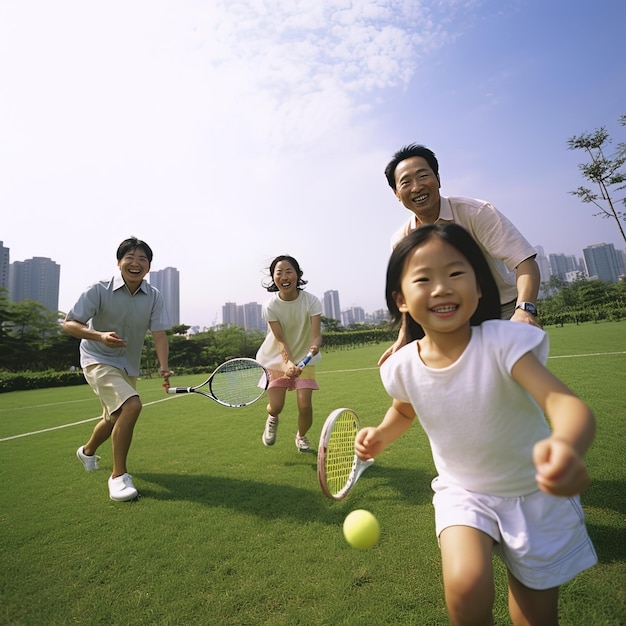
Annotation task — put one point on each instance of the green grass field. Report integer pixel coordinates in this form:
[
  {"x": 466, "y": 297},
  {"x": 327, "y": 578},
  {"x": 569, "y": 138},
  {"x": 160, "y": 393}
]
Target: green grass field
[{"x": 228, "y": 531}]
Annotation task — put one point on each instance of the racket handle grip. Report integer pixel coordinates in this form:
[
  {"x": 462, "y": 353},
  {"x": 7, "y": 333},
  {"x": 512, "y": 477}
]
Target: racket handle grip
[
  {"x": 305, "y": 360},
  {"x": 179, "y": 390}
]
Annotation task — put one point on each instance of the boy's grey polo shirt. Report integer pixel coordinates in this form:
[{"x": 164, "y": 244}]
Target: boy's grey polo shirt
[{"x": 110, "y": 307}]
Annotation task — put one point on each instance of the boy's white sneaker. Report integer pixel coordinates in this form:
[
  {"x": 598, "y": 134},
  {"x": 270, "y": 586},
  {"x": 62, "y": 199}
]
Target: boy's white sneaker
[
  {"x": 121, "y": 488},
  {"x": 90, "y": 463}
]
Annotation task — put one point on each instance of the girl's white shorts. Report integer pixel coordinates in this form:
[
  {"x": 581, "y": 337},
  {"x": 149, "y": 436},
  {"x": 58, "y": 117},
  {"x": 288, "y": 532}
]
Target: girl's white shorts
[{"x": 541, "y": 538}]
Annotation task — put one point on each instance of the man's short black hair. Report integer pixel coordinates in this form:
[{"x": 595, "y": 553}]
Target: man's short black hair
[
  {"x": 130, "y": 244},
  {"x": 407, "y": 152}
]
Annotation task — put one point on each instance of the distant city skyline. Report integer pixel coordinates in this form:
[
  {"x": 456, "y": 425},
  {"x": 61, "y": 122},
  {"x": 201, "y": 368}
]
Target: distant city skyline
[
  {"x": 38, "y": 278},
  {"x": 247, "y": 316}
]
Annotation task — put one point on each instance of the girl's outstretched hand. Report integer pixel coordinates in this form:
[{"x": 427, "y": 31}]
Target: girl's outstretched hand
[
  {"x": 561, "y": 471},
  {"x": 368, "y": 443}
]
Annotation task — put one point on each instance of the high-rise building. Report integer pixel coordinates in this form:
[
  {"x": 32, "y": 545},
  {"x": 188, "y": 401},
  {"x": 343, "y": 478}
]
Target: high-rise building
[
  {"x": 330, "y": 305},
  {"x": 35, "y": 279},
  {"x": 561, "y": 265},
  {"x": 353, "y": 315},
  {"x": 4, "y": 266},
  {"x": 252, "y": 316},
  {"x": 377, "y": 317},
  {"x": 622, "y": 255},
  {"x": 229, "y": 314},
  {"x": 246, "y": 316},
  {"x": 603, "y": 262},
  {"x": 167, "y": 281}
]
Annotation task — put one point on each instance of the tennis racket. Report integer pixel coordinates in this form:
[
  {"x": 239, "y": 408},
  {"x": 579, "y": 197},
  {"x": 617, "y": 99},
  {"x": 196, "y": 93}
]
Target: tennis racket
[
  {"x": 305, "y": 360},
  {"x": 235, "y": 383},
  {"x": 338, "y": 466}
]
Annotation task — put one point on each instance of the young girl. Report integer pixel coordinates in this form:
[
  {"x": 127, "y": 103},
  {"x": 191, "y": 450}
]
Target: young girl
[
  {"x": 478, "y": 385},
  {"x": 294, "y": 319}
]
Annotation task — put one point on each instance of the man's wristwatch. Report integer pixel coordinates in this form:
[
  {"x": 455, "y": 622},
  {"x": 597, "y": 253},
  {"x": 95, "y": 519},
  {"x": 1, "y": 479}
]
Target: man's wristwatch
[{"x": 529, "y": 307}]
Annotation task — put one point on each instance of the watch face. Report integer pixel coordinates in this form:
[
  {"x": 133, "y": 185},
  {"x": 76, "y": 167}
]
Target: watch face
[{"x": 529, "y": 307}]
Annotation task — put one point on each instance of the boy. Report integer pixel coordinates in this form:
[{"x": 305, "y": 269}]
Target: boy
[{"x": 111, "y": 320}]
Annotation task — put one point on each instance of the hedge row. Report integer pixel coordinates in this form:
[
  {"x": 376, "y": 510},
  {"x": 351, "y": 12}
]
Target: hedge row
[
  {"x": 22, "y": 381},
  {"x": 579, "y": 316},
  {"x": 342, "y": 340}
]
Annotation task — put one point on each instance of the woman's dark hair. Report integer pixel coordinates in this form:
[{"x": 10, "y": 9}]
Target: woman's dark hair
[
  {"x": 128, "y": 245},
  {"x": 455, "y": 235},
  {"x": 271, "y": 285}
]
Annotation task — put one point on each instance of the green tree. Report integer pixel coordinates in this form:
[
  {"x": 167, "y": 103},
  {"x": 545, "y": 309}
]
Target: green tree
[
  {"x": 584, "y": 300},
  {"x": 593, "y": 293},
  {"x": 329, "y": 324},
  {"x": 5, "y": 312},
  {"x": 61, "y": 352},
  {"x": 208, "y": 349},
  {"x": 553, "y": 285},
  {"x": 185, "y": 353},
  {"x": 30, "y": 330},
  {"x": 180, "y": 329},
  {"x": 603, "y": 171}
]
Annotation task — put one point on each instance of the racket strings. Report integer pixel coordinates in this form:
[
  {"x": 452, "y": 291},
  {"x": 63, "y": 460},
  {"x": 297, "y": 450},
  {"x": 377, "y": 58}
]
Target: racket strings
[
  {"x": 238, "y": 382},
  {"x": 340, "y": 457}
]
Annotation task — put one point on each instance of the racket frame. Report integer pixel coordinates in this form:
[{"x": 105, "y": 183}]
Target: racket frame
[
  {"x": 358, "y": 466},
  {"x": 263, "y": 373}
]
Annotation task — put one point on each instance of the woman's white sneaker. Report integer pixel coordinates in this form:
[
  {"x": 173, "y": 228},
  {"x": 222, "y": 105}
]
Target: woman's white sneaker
[
  {"x": 302, "y": 443},
  {"x": 271, "y": 428}
]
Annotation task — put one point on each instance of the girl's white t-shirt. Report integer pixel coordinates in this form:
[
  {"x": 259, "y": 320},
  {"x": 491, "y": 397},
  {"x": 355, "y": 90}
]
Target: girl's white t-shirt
[
  {"x": 481, "y": 424},
  {"x": 295, "y": 319}
]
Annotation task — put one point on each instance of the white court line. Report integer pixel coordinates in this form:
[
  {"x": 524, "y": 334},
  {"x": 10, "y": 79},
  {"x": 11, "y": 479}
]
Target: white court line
[
  {"x": 43, "y": 406},
  {"x": 91, "y": 419},
  {"x": 563, "y": 356},
  {"x": 573, "y": 356}
]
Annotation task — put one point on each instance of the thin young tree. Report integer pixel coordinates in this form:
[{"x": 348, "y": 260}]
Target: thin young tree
[{"x": 603, "y": 171}]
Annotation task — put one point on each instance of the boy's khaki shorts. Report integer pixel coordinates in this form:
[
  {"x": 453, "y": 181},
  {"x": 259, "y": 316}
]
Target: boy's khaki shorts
[{"x": 112, "y": 386}]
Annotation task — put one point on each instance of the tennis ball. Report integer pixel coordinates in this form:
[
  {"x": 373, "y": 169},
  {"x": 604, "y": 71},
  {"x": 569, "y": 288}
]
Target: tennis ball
[{"x": 361, "y": 529}]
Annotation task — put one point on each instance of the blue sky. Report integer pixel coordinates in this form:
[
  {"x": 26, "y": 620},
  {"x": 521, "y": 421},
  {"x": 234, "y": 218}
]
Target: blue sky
[{"x": 227, "y": 132}]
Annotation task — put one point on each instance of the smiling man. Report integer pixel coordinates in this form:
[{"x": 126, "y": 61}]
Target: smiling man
[
  {"x": 413, "y": 175},
  {"x": 111, "y": 319}
]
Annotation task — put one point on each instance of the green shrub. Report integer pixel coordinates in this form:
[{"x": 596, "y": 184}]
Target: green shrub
[{"x": 22, "y": 381}]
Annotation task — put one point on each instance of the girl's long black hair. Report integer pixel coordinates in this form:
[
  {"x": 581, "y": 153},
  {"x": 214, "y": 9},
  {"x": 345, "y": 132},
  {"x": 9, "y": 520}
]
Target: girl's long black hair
[{"x": 455, "y": 235}]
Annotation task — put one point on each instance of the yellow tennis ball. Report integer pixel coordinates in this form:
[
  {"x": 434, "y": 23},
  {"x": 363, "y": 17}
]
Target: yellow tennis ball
[{"x": 361, "y": 529}]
